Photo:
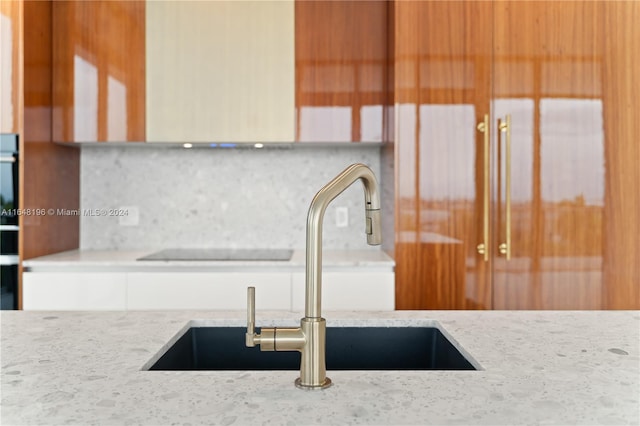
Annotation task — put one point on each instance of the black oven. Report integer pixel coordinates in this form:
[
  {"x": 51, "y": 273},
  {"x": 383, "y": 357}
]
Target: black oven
[{"x": 9, "y": 221}]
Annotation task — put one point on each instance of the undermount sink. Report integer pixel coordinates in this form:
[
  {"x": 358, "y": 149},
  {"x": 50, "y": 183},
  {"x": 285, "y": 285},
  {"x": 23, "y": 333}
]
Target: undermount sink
[{"x": 347, "y": 348}]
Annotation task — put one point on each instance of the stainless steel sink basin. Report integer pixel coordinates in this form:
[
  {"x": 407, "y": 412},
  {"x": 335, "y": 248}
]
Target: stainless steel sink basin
[{"x": 348, "y": 348}]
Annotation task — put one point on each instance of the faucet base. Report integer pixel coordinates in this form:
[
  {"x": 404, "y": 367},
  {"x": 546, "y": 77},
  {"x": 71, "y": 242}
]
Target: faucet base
[{"x": 327, "y": 383}]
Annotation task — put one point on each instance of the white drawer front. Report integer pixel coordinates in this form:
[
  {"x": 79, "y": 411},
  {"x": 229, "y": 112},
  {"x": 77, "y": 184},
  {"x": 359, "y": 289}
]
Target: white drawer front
[
  {"x": 349, "y": 291},
  {"x": 196, "y": 290},
  {"x": 74, "y": 291}
]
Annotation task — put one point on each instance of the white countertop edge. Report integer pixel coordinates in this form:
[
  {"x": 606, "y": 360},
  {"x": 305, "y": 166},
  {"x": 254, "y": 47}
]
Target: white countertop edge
[
  {"x": 191, "y": 268},
  {"x": 125, "y": 261}
]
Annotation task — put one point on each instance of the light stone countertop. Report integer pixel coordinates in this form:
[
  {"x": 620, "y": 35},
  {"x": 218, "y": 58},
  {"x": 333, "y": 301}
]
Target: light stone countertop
[
  {"x": 547, "y": 367},
  {"x": 125, "y": 261}
]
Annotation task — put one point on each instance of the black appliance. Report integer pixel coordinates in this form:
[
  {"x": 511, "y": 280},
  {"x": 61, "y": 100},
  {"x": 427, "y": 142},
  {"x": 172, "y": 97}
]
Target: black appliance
[
  {"x": 9, "y": 221},
  {"x": 220, "y": 254}
]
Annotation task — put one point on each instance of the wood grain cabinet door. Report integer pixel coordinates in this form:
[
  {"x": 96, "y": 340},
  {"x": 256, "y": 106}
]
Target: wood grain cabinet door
[
  {"x": 548, "y": 77},
  {"x": 556, "y": 82},
  {"x": 560, "y": 73},
  {"x": 341, "y": 70},
  {"x": 221, "y": 71},
  {"x": 98, "y": 71},
  {"x": 442, "y": 72}
]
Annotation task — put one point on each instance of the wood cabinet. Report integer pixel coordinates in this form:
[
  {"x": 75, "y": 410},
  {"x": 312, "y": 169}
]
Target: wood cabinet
[
  {"x": 548, "y": 77},
  {"x": 220, "y": 71},
  {"x": 98, "y": 71},
  {"x": 173, "y": 71},
  {"x": 307, "y": 71},
  {"x": 556, "y": 183},
  {"x": 442, "y": 90},
  {"x": 621, "y": 211},
  {"x": 49, "y": 173},
  {"x": 341, "y": 70}
]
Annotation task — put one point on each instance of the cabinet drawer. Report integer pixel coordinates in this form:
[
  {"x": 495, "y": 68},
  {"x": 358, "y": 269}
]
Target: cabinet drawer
[
  {"x": 74, "y": 291},
  {"x": 203, "y": 290},
  {"x": 349, "y": 291}
]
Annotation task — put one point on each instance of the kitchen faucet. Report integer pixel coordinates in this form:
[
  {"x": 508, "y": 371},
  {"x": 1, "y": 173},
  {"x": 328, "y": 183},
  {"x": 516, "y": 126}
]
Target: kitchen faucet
[{"x": 309, "y": 338}]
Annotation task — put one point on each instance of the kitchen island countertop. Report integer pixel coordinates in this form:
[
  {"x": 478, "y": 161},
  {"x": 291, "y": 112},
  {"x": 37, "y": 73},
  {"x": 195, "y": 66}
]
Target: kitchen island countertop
[{"x": 537, "y": 367}]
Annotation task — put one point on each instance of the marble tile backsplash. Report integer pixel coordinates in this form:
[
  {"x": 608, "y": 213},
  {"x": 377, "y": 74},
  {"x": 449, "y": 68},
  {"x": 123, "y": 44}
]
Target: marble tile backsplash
[{"x": 244, "y": 198}]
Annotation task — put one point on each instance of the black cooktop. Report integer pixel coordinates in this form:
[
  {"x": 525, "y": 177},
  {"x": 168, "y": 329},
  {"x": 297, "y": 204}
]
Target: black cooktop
[{"x": 220, "y": 254}]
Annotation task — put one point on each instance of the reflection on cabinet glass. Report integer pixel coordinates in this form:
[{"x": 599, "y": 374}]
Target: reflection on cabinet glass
[
  {"x": 441, "y": 69},
  {"x": 546, "y": 73},
  {"x": 98, "y": 71},
  {"x": 557, "y": 155},
  {"x": 341, "y": 70}
]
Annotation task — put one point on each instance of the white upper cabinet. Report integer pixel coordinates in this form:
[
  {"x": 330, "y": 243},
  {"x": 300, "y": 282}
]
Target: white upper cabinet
[{"x": 220, "y": 71}]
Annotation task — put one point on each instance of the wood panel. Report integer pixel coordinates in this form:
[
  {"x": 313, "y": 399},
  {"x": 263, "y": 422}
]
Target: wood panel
[
  {"x": 49, "y": 178},
  {"x": 99, "y": 71},
  {"x": 10, "y": 60},
  {"x": 220, "y": 71},
  {"x": 548, "y": 76},
  {"x": 621, "y": 247},
  {"x": 341, "y": 64},
  {"x": 388, "y": 151},
  {"x": 569, "y": 89},
  {"x": 443, "y": 68}
]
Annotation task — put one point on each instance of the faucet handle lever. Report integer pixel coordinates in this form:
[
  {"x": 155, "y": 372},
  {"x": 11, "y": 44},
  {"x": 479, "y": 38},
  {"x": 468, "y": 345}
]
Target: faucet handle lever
[{"x": 251, "y": 316}]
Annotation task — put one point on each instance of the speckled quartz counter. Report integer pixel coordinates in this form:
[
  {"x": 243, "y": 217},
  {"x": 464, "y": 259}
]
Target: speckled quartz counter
[
  {"x": 125, "y": 261},
  {"x": 537, "y": 368}
]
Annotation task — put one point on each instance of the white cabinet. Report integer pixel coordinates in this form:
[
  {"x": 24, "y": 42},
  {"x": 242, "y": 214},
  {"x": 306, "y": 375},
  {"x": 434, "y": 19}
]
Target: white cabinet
[
  {"x": 206, "y": 290},
  {"x": 74, "y": 291},
  {"x": 220, "y": 71},
  {"x": 349, "y": 291}
]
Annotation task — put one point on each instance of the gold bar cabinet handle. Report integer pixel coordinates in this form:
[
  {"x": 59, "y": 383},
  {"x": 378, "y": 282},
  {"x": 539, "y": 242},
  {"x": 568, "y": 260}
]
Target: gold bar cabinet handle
[
  {"x": 483, "y": 248},
  {"x": 505, "y": 248}
]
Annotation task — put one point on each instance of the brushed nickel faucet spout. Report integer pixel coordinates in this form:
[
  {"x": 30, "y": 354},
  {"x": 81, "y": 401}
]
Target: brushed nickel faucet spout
[
  {"x": 309, "y": 338},
  {"x": 315, "y": 218}
]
